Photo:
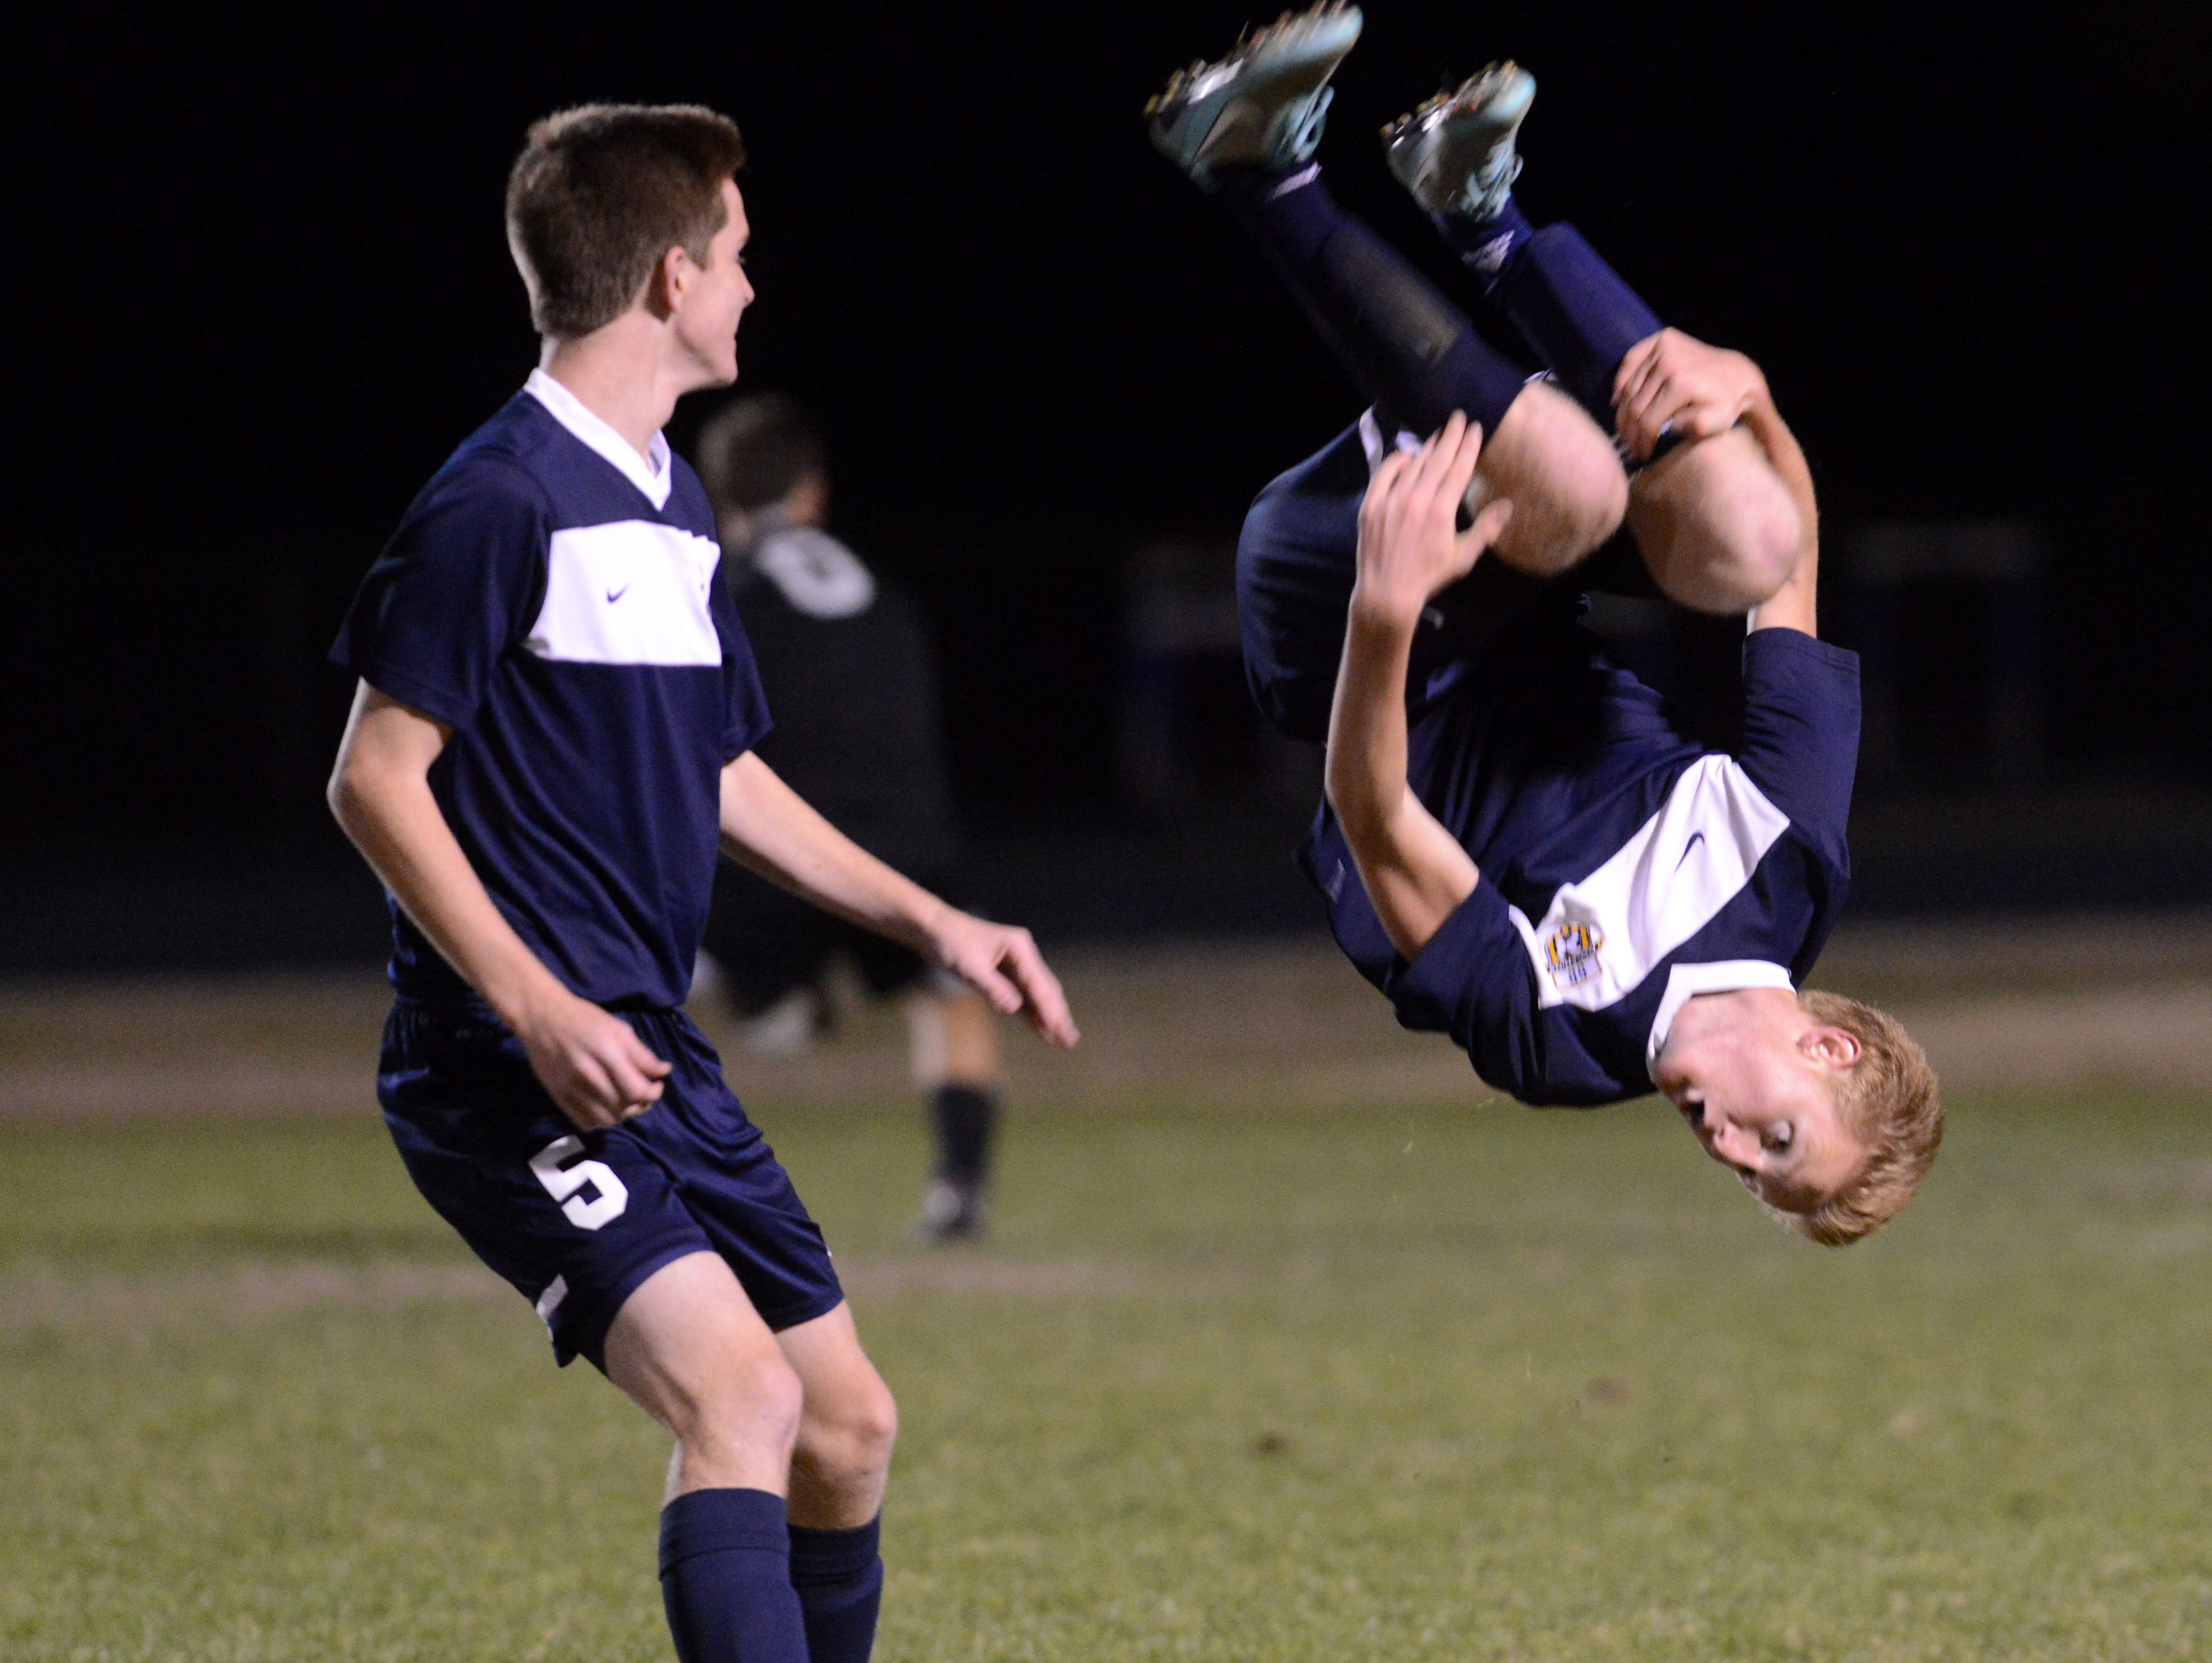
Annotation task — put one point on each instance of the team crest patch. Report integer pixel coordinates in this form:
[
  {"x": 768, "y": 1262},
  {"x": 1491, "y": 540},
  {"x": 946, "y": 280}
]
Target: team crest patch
[{"x": 1571, "y": 952}]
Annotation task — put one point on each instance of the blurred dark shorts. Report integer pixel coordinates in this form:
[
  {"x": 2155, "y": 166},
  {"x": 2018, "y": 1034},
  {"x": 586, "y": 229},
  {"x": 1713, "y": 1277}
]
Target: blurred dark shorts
[
  {"x": 576, "y": 1221},
  {"x": 769, "y": 942},
  {"x": 1297, "y": 558}
]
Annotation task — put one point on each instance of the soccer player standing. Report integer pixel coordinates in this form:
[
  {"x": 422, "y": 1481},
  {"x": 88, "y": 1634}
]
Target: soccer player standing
[{"x": 553, "y": 729}]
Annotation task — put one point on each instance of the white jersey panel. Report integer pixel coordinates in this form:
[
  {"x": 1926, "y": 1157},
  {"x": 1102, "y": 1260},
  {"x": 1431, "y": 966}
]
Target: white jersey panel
[
  {"x": 1604, "y": 934},
  {"x": 630, "y": 592}
]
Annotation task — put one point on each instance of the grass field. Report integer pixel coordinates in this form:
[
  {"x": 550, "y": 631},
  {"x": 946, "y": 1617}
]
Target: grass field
[{"x": 1308, "y": 1383}]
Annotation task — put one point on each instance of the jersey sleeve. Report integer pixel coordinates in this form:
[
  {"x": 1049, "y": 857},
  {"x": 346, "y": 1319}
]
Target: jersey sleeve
[
  {"x": 1475, "y": 982},
  {"x": 745, "y": 720},
  {"x": 454, "y": 590},
  {"x": 1801, "y": 731}
]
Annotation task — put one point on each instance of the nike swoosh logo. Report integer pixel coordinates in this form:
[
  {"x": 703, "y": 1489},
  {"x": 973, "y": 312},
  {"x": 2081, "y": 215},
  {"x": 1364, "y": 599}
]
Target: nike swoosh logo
[
  {"x": 614, "y": 595},
  {"x": 1689, "y": 849}
]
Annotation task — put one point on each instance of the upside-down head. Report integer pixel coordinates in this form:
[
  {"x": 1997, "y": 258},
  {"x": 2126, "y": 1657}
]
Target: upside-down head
[
  {"x": 1890, "y": 1100},
  {"x": 1825, "y": 1107}
]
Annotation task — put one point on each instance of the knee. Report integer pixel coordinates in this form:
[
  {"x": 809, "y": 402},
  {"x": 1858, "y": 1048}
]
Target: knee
[
  {"x": 1717, "y": 527},
  {"x": 756, "y": 1404},
  {"x": 1568, "y": 491},
  {"x": 851, "y": 1439}
]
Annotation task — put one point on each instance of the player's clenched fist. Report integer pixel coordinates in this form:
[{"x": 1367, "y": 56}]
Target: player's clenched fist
[
  {"x": 591, "y": 1062},
  {"x": 1410, "y": 545}
]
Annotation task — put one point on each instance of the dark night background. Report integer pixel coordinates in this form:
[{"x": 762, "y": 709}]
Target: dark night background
[{"x": 263, "y": 290}]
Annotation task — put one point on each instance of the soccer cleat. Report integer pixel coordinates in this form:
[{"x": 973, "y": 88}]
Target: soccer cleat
[
  {"x": 1455, "y": 153},
  {"x": 1263, "y": 104},
  {"x": 952, "y": 1210}
]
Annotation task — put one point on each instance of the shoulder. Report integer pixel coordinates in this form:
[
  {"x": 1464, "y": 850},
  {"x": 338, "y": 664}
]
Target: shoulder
[{"x": 501, "y": 465}]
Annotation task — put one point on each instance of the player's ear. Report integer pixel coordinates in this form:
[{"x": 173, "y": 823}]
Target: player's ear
[
  {"x": 1835, "y": 1047},
  {"x": 665, "y": 286}
]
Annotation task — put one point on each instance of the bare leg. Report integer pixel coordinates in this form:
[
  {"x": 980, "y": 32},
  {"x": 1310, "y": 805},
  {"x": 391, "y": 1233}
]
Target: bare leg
[
  {"x": 953, "y": 1039},
  {"x": 1717, "y": 526},
  {"x": 843, "y": 1456},
  {"x": 688, "y": 1349},
  {"x": 1562, "y": 476}
]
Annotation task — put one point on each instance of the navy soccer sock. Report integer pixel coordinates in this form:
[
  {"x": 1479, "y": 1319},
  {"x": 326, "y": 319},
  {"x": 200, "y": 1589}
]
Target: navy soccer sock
[
  {"x": 1568, "y": 305},
  {"x": 840, "y": 1579},
  {"x": 1410, "y": 348},
  {"x": 726, "y": 1578},
  {"x": 963, "y": 1116},
  {"x": 1484, "y": 246}
]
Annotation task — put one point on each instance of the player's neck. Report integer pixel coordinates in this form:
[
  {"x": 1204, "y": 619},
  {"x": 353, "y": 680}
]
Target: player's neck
[
  {"x": 621, "y": 374},
  {"x": 1740, "y": 1008}
]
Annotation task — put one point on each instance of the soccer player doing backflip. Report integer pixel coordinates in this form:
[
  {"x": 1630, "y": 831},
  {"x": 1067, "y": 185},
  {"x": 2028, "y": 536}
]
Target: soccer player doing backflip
[{"x": 1517, "y": 846}]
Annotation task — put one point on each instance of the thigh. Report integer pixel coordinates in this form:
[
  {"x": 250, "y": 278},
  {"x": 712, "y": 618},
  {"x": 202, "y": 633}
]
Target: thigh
[
  {"x": 1296, "y": 558},
  {"x": 574, "y": 1221},
  {"x": 684, "y": 1333},
  {"x": 729, "y": 1181}
]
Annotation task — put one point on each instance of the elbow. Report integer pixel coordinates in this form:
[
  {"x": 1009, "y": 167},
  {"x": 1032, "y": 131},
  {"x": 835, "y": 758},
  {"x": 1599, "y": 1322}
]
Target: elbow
[
  {"x": 1363, "y": 821},
  {"x": 348, "y": 796}
]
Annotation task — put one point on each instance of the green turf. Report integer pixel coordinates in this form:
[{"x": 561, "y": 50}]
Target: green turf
[{"x": 1475, "y": 1384}]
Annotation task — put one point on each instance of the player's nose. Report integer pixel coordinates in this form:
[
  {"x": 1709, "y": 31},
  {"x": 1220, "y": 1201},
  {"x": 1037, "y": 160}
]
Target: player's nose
[{"x": 1731, "y": 1144}]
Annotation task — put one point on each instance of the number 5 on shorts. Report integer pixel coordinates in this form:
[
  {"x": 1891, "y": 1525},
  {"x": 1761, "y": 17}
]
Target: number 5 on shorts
[{"x": 566, "y": 1184}]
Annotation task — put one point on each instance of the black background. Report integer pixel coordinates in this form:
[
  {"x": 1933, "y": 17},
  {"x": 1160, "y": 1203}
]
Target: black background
[{"x": 261, "y": 290}]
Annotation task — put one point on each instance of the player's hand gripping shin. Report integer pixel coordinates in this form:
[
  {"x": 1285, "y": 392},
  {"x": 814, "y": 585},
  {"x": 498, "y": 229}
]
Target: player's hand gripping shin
[
  {"x": 1671, "y": 383},
  {"x": 1415, "y": 873}
]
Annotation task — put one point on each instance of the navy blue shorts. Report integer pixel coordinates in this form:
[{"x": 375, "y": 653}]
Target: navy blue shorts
[
  {"x": 576, "y": 1221},
  {"x": 1295, "y": 559}
]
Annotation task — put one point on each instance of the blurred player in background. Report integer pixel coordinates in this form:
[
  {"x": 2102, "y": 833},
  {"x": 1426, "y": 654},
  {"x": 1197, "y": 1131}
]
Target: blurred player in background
[
  {"x": 555, "y": 726},
  {"x": 846, "y": 660},
  {"x": 1517, "y": 846}
]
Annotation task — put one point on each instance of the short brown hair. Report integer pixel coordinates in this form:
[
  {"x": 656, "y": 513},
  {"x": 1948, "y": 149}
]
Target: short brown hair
[
  {"x": 754, "y": 450},
  {"x": 601, "y": 193},
  {"x": 1891, "y": 1102}
]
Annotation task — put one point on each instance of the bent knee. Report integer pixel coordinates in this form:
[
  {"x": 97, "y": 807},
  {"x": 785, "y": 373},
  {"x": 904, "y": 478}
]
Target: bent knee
[
  {"x": 1564, "y": 481},
  {"x": 1717, "y": 527},
  {"x": 853, "y": 1436},
  {"x": 757, "y": 1404}
]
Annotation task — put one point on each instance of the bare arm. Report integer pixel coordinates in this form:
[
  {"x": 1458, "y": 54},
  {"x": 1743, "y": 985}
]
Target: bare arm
[
  {"x": 591, "y": 1062},
  {"x": 1415, "y": 872},
  {"x": 770, "y": 827},
  {"x": 1792, "y": 605}
]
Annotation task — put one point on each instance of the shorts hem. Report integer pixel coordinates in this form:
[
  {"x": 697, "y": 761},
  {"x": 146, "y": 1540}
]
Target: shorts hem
[
  {"x": 590, "y": 1341},
  {"x": 806, "y": 1311}
]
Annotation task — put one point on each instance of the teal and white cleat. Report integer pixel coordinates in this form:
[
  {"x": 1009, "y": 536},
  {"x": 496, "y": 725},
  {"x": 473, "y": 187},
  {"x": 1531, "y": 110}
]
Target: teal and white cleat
[
  {"x": 1263, "y": 104},
  {"x": 1455, "y": 153}
]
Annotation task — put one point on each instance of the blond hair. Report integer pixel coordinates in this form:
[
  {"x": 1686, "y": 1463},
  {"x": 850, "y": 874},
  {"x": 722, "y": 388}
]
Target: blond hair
[
  {"x": 1891, "y": 1103},
  {"x": 601, "y": 193}
]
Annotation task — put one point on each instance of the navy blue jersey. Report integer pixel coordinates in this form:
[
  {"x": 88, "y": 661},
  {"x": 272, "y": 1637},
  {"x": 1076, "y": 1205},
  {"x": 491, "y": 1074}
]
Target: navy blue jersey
[
  {"x": 554, "y": 599},
  {"x": 1624, "y": 870}
]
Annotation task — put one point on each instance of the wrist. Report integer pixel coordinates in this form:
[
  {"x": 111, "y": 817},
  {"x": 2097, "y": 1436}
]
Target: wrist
[
  {"x": 528, "y": 1004},
  {"x": 1381, "y": 613}
]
